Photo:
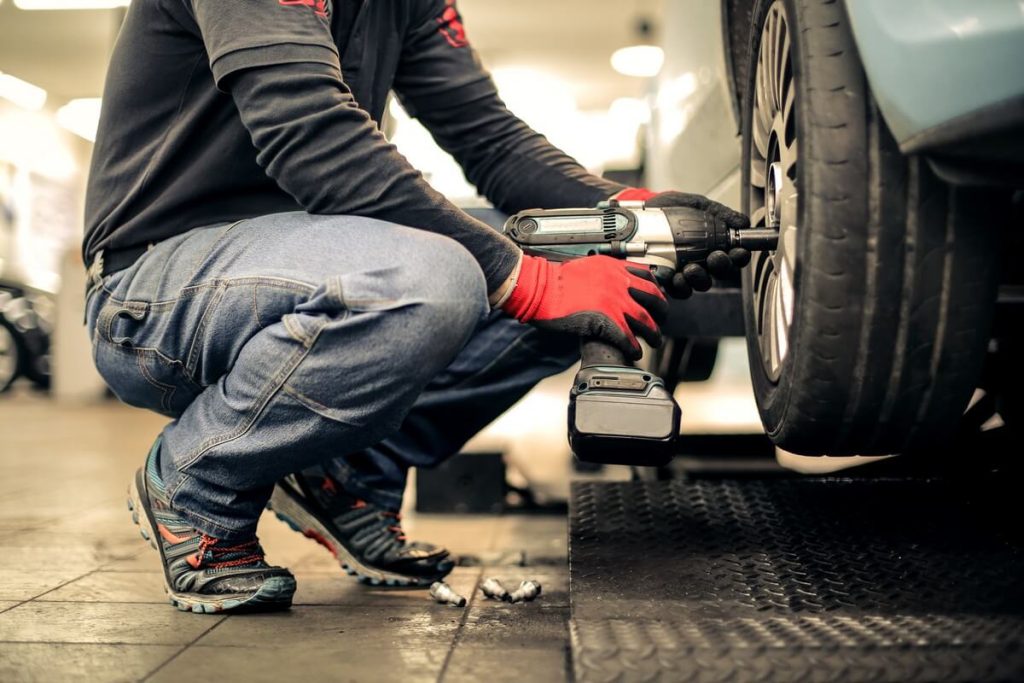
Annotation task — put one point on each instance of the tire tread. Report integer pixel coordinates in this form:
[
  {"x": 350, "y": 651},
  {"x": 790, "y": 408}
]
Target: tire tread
[{"x": 897, "y": 280}]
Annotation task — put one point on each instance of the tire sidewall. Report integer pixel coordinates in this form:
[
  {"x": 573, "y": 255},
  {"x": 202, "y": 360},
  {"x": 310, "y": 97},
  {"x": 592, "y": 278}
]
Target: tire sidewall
[
  {"x": 18, "y": 348},
  {"x": 773, "y": 397}
]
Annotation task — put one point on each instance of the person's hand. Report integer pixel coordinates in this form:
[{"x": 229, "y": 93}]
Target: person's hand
[
  {"x": 595, "y": 296},
  {"x": 719, "y": 264}
]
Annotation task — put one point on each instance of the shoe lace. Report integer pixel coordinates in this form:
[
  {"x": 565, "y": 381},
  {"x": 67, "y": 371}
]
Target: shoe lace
[
  {"x": 395, "y": 528},
  {"x": 222, "y": 556}
]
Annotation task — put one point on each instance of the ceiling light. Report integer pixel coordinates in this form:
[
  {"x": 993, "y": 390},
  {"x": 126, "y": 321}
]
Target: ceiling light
[
  {"x": 70, "y": 4},
  {"x": 630, "y": 111},
  {"x": 642, "y": 61},
  {"x": 21, "y": 93},
  {"x": 541, "y": 99},
  {"x": 81, "y": 117}
]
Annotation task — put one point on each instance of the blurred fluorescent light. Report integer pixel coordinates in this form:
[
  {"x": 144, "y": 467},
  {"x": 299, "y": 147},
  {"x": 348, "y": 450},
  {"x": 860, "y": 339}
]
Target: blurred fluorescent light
[
  {"x": 21, "y": 93},
  {"x": 70, "y": 4},
  {"x": 630, "y": 111},
  {"x": 642, "y": 61},
  {"x": 30, "y": 142},
  {"x": 673, "y": 106},
  {"x": 540, "y": 98},
  {"x": 81, "y": 117}
]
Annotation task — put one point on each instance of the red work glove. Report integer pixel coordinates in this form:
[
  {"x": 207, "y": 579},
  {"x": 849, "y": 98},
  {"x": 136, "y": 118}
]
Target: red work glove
[
  {"x": 594, "y": 296},
  {"x": 721, "y": 265}
]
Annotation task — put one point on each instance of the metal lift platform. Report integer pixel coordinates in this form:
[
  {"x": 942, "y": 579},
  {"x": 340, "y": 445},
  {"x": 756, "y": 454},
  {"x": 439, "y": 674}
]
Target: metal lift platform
[{"x": 797, "y": 580}]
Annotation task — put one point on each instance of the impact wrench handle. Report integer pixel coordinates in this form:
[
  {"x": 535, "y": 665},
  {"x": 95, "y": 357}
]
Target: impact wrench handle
[
  {"x": 593, "y": 296},
  {"x": 595, "y": 352}
]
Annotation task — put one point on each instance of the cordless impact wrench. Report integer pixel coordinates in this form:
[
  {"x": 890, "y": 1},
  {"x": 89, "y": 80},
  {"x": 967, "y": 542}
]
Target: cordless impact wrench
[{"x": 620, "y": 414}]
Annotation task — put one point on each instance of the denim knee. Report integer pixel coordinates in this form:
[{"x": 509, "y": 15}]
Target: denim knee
[
  {"x": 385, "y": 330},
  {"x": 450, "y": 296}
]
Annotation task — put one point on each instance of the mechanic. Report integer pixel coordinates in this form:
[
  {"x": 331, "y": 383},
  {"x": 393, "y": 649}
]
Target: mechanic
[{"x": 266, "y": 269}]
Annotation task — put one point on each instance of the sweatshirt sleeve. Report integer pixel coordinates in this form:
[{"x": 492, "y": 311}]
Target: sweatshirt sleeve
[
  {"x": 313, "y": 139},
  {"x": 441, "y": 82}
]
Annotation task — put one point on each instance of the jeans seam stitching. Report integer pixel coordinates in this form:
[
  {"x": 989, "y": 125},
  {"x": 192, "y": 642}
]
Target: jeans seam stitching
[
  {"x": 256, "y": 306},
  {"x": 151, "y": 350},
  {"x": 167, "y": 391},
  {"x": 313, "y": 404},
  {"x": 273, "y": 386},
  {"x": 295, "y": 331},
  {"x": 196, "y": 515},
  {"x": 362, "y": 303},
  {"x": 103, "y": 323},
  {"x": 198, "y": 263},
  {"x": 193, "y": 352},
  {"x": 192, "y": 290}
]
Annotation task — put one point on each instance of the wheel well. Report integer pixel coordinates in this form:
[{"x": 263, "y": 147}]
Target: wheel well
[{"x": 736, "y": 21}]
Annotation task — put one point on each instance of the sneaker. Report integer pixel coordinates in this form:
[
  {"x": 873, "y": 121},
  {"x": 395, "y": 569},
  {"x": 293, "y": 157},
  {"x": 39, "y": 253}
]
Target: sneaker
[
  {"x": 204, "y": 574},
  {"x": 367, "y": 541}
]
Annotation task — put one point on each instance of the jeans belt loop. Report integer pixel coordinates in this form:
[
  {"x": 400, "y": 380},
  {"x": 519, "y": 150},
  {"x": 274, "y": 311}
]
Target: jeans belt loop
[{"x": 95, "y": 272}]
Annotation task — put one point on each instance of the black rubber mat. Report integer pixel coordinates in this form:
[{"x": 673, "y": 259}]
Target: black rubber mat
[{"x": 795, "y": 580}]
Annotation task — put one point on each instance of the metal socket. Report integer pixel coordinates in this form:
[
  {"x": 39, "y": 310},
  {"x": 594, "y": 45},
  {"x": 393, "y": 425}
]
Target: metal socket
[
  {"x": 443, "y": 593},
  {"x": 527, "y": 592},
  {"x": 493, "y": 589}
]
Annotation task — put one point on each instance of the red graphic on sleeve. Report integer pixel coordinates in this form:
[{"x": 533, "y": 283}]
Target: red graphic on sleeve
[
  {"x": 319, "y": 6},
  {"x": 452, "y": 27}
]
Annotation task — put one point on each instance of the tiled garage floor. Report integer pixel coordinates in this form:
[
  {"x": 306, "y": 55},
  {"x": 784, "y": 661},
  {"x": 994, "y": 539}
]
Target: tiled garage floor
[{"x": 81, "y": 596}]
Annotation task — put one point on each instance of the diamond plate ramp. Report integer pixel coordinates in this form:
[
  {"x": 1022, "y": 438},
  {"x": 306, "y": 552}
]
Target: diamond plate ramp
[{"x": 794, "y": 580}]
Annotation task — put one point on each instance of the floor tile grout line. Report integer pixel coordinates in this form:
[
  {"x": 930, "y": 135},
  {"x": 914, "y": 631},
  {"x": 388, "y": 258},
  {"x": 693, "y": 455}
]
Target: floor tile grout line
[
  {"x": 90, "y": 642},
  {"x": 98, "y": 602},
  {"x": 299, "y": 606},
  {"x": 183, "y": 649},
  {"x": 58, "y": 587},
  {"x": 17, "y": 603},
  {"x": 462, "y": 626}
]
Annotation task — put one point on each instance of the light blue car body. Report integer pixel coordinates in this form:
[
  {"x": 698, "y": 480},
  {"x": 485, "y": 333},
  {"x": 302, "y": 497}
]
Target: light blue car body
[{"x": 930, "y": 62}]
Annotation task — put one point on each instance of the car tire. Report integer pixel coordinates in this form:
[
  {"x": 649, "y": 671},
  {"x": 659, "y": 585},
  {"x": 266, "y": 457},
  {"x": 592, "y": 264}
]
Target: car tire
[
  {"x": 684, "y": 359},
  {"x": 38, "y": 372},
  {"x": 12, "y": 354},
  {"x": 872, "y": 337}
]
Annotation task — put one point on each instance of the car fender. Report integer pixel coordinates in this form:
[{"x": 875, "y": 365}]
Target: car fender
[{"x": 930, "y": 62}]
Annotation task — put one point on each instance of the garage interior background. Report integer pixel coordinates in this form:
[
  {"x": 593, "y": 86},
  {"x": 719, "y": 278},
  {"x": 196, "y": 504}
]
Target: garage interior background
[
  {"x": 887, "y": 569},
  {"x": 52, "y": 67}
]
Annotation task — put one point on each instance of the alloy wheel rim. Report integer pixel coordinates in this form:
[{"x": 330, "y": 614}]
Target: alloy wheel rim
[
  {"x": 773, "y": 191},
  {"x": 8, "y": 357}
]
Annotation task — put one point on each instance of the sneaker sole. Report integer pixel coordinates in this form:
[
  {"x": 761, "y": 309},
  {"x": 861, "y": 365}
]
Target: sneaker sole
[
  {"x": 296, "y": 516},
  {"x": 274, "y": 595}
]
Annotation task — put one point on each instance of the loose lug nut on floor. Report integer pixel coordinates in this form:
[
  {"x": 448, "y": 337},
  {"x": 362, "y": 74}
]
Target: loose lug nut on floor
[
  {"x": 527, "y": 592},
  {"x": 493, "y": 589},
  {"x": 443, "y": 593}
]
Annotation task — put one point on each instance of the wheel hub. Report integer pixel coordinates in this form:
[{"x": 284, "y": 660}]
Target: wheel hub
[
  {"x": 8, "y": 357},
  {"x": 773, "y": 192}
]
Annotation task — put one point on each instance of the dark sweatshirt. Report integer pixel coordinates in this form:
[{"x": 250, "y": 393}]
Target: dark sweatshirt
[{"x": 220, "y": 110}]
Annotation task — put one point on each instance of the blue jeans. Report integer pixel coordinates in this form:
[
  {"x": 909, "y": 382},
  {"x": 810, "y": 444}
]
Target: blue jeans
[{"x": 294, "y": 340}]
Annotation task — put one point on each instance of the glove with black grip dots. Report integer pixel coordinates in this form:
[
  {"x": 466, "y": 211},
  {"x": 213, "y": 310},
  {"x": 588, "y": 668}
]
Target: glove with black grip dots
[{"x": 595, "y": 297}]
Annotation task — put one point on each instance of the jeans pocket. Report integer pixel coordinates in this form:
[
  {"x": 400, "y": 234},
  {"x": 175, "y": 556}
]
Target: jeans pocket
[
  {"x": 121, "y": 322},
  {"x": 145, "y": 378},
  {"x": 135, "y": 370}
]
